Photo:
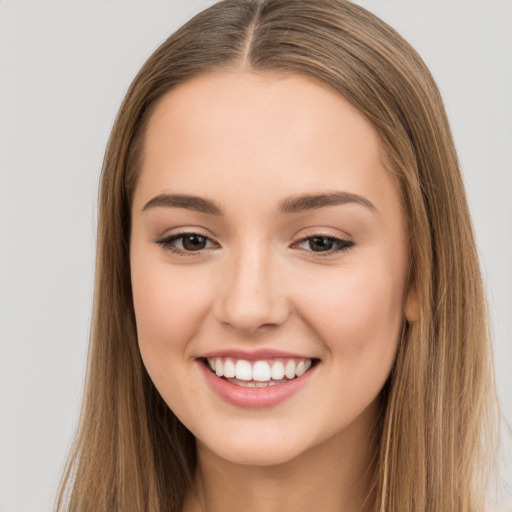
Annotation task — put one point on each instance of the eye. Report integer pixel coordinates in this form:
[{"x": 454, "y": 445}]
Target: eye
[
  {"x": 186, "y": 243},
  {"x": 324, "y": 244}
]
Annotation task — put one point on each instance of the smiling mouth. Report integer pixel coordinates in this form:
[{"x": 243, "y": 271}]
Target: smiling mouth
[{"x": 258, "y": 374}]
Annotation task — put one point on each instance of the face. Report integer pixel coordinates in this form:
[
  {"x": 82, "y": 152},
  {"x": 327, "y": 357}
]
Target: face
[{"x": 268, "y": 263}]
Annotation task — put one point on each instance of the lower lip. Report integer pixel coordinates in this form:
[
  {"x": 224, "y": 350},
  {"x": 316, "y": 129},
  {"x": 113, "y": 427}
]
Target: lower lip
[{"x": 254, "y": 398}]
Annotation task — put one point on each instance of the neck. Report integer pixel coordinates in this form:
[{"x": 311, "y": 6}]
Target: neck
[{"x": 335, "y": 475}]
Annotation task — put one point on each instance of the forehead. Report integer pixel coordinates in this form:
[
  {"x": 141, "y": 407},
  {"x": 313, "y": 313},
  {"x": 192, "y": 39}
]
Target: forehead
[{"x": 261, "y": 133}]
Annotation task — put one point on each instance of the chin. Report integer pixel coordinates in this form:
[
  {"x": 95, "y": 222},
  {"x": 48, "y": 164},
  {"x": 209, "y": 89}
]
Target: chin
[
  {"x": 265, "y": 446},
  {"x": 257, "y": 454}
]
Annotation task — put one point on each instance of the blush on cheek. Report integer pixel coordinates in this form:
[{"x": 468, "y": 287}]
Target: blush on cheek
[
  {"x": 168, "y": 303},
  {"x": 358, "y": 312}
]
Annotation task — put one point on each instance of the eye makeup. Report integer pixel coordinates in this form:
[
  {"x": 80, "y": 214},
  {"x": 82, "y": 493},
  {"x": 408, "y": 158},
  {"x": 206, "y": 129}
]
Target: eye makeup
[{"x": 194, "y": 244}]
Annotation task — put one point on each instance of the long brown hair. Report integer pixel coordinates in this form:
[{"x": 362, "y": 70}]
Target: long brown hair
[{"x": 438, "y": 417}]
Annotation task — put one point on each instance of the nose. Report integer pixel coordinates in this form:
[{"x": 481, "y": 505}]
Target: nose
[{"x": 252, "y": 297}]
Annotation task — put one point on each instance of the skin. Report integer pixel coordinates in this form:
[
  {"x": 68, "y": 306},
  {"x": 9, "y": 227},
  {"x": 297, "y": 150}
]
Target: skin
[{"x": 248, "y": 141}]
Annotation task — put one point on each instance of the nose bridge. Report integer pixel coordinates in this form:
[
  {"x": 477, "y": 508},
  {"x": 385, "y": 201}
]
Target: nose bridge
[{"x": 251, "y": 296}]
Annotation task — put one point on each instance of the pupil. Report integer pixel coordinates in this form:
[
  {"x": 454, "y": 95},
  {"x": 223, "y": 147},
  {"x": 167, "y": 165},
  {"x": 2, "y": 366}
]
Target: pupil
[
  {"x": 321, "y": 244},
  {"x": 194, "y": 242}
]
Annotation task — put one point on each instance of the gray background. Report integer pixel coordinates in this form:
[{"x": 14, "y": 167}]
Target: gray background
[{"x": 64, "y": 67}]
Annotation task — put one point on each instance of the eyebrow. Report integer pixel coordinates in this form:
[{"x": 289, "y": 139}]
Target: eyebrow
[
  {"x": 296, "y": 204},
  {"x": 194, "y": 203},
  {"x": 315, "y": 201}
]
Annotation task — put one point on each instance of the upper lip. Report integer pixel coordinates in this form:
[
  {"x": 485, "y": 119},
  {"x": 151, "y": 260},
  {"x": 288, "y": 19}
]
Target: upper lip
[{"x": 254, "y": 355}]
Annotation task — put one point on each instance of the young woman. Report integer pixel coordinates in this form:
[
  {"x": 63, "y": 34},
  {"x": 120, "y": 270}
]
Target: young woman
[{"x": 289, "y": 312}]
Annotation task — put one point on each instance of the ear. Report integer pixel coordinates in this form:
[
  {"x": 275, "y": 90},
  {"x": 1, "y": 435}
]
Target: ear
[{"x": 412, "y": 305}]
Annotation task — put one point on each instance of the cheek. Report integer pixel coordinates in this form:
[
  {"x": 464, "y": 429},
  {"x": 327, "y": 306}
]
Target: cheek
[
  {"x": 359, "y": 310},
  {"x": 358, "y": 320},
  {"x": 169, "y": 307}
]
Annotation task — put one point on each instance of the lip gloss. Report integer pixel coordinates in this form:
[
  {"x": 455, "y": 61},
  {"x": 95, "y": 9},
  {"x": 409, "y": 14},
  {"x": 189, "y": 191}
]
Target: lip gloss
[{"x": 254, "y": 397}]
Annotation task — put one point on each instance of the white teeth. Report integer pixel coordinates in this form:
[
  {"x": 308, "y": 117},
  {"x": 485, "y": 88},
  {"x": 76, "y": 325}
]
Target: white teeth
[
  {"x": 261, "y": 371},
  {"x": 229, "y": 368},
  {"x": 277, "y": 370},
  {"x": 301, "y": 369},
  {"x": 258, "y": 373},
  {"x": 289, "y": 370},
  {"x": 243, "y": 370},
  {"x": 219, "y": 367}
]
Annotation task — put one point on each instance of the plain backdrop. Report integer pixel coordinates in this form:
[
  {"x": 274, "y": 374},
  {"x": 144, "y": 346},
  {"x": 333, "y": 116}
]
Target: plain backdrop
[{"x": 64, "y": 67}]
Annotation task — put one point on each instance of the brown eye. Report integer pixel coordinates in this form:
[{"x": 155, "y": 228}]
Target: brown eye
[
  {"x": 324, "y": 244},
  {"x": 194, "y": 242},
  {"x": 321, "y": 243},
  {"x": 186, "y": 243}
]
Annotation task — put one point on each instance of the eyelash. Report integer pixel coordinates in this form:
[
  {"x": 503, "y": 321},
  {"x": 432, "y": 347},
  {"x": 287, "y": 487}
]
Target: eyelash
[
  {"x": 167, "y": 244},
  {"x": 342, "y": 245}
]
